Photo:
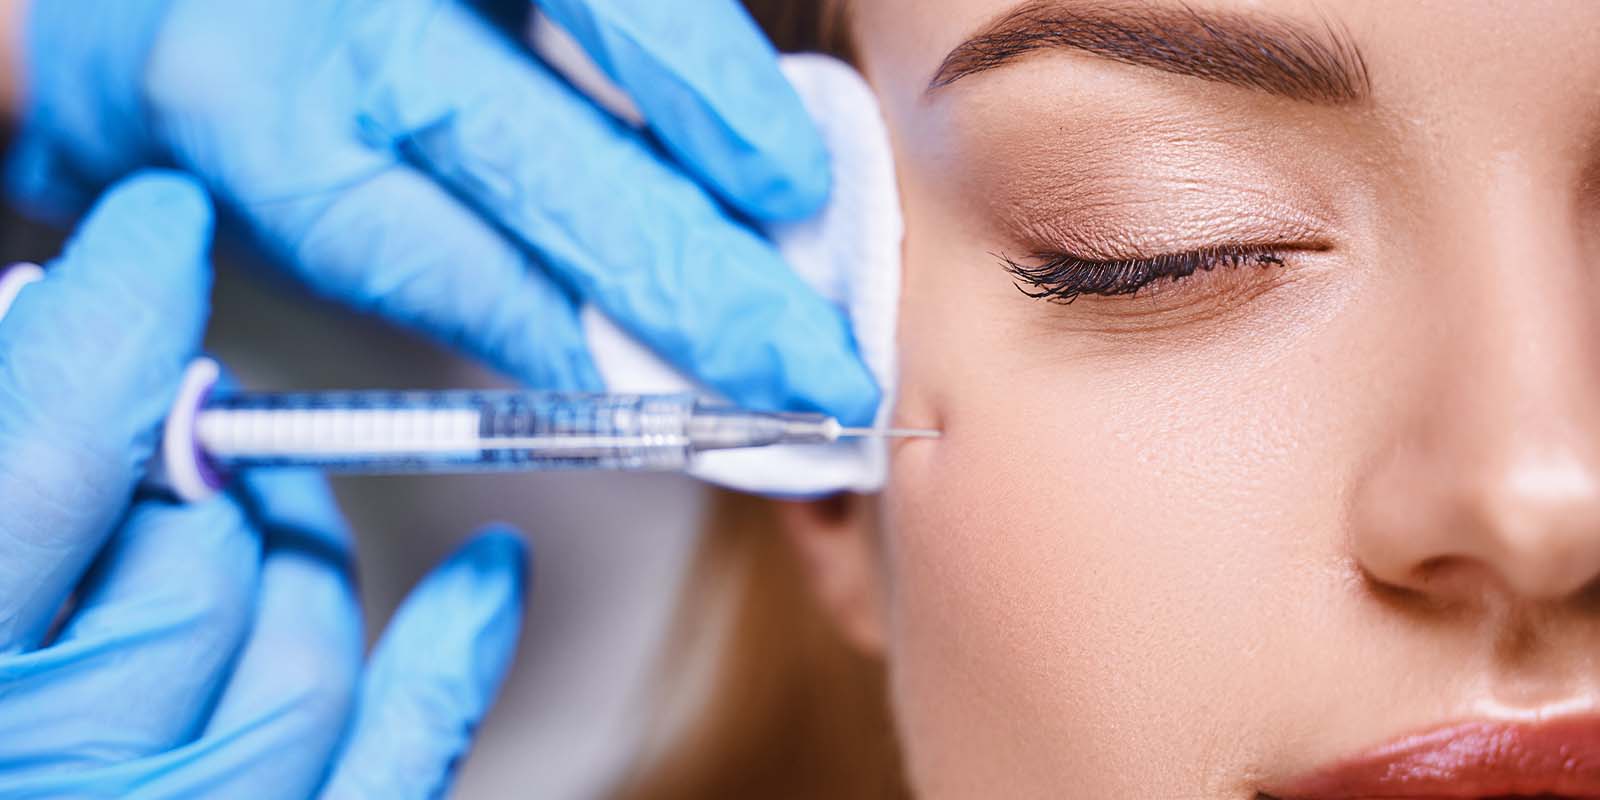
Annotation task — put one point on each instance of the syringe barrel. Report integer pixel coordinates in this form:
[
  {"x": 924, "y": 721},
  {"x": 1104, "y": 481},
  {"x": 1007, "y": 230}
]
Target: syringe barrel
[{"x": 449, "y": 431}]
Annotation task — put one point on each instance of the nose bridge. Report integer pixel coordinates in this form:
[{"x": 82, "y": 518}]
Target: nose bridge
[
  {"x": 1522, "y": 334},
  {"x": 1495, "y": 482},
  {"x": 1531, "y": 329}
]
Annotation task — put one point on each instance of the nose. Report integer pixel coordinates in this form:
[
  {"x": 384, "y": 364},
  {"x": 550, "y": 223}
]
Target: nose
[
  {"x": 1519, "y": 519},
  {"x": 1488, "y": 485}
]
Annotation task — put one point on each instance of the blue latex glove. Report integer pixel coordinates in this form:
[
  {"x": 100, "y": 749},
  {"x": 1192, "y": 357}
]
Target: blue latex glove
[
  {"x": 211, "y": 650},
  {"x": 324, "y": 126}
]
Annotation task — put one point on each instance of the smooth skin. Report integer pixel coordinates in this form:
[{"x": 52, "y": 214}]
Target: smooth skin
[
  {"x": 149, "y": 649},
  {"x": 1197, "y": 541}
]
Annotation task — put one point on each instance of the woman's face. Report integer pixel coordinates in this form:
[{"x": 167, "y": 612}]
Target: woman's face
[{"x": 1335, "y": 489}]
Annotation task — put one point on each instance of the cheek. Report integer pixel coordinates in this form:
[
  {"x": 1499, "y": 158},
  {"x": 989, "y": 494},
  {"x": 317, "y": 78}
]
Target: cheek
[
  {"x": 1101, "y": 572},
  {"x": 1049, "y": 625}
]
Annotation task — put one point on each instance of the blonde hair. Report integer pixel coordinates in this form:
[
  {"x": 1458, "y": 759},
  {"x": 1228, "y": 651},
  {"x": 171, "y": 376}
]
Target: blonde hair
[
  {"x": 818, "y": 26},
  {"x": 760, "y": 696}
]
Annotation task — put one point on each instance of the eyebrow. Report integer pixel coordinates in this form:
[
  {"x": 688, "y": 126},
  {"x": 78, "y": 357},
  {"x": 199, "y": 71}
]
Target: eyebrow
[{"x": 1253, "y": 51}]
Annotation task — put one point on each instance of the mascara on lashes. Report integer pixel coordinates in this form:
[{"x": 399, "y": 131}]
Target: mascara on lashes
[{"x": 1063, "y": 278}]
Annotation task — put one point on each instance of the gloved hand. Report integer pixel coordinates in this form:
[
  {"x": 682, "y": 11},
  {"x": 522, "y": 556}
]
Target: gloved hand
[
  {"x": 211, "y": 650},
  {"x": 325, "y": 126}
]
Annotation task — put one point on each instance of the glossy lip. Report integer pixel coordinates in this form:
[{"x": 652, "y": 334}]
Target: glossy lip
[{"x": 1553, "y": 759}]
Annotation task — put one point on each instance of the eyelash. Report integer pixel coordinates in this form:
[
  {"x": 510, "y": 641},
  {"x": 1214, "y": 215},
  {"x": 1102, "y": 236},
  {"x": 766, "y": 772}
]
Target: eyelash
[{"x": 1063, "y": 278}]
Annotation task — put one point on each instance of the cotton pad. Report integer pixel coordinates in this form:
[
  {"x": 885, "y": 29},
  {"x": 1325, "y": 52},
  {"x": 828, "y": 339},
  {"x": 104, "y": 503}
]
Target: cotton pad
[
  {"x": 12, "y": 279},
  {"x": 850, "y": 254}
]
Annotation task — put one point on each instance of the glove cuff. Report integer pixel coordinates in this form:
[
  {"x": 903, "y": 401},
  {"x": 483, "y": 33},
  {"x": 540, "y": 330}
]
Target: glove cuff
[{"x": 83, "y": 122}]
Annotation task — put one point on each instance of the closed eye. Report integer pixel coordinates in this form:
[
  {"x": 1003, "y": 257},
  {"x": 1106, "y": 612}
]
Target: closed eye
[{"x": 1063, "y": 277}]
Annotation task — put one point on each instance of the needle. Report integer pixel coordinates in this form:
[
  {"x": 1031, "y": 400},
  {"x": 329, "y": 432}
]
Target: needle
[{"x": 888, "y": 433}]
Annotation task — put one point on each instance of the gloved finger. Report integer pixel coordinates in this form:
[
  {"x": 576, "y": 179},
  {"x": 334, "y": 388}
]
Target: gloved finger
[
  {"x": 135, "y": 669},
  {"x": 398, "y": 245},
  {"x": 434, "y": 674},
  {"x": 708, "y": 84},
  {"x": 617, "y": 222},
  {"x": 282, "y": 715},
  {"x": 281, "y": 712},
  {"x": 90, "y": 358}
]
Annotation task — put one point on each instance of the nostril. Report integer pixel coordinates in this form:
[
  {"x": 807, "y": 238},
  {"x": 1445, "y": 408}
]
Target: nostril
[
  {"x": 1430, "y": 568},
  {"x": 1435, "y": 585},
  {"x": 1434, "y": 576}
]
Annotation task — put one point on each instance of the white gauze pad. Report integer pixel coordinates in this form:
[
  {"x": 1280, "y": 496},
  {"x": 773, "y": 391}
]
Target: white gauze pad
[{"x": 850, "y": 254}]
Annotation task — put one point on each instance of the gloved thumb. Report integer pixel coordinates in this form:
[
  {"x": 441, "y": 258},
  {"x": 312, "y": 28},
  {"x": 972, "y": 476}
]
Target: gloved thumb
[
  {"x": 434, "y": 674},
  {"x": 90, "y": 358}
]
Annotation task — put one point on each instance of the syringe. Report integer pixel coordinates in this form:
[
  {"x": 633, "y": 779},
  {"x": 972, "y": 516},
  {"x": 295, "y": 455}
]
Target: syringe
[{"x": 210, "y": 435}]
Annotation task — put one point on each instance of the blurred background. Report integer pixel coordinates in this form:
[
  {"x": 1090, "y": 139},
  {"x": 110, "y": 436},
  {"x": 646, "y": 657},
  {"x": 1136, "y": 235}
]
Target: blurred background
[{"x": 609, "y": 551}]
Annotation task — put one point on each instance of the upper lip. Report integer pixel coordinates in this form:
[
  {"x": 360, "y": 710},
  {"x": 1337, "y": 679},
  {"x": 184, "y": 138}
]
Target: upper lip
[{"x": 1554, "y": 759}]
